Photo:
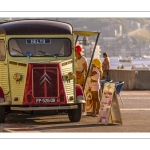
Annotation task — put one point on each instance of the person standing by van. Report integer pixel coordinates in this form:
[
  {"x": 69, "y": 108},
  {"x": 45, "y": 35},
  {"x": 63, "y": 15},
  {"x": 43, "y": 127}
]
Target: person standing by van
[
  {"x": 81, "y": 65},
  {"x": 81, "y": 68},
  {"x": 106, "y": 65},
  {"x": 96, "y": 73}
]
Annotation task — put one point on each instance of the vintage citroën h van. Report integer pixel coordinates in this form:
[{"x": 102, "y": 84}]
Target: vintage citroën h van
[{"x": 37, "y": 67}]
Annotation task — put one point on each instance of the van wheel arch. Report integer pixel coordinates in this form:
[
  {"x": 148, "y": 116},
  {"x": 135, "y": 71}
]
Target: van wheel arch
[
  {"x": 1, "y": 92},
  {"x": 80, "y": 97}
]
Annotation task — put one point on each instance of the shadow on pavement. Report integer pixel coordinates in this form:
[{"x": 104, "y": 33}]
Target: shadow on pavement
[
  {"x": 54, "y": 121},
  {"x": 27, "y": 119},
  {"x": 71, "y": 126}
]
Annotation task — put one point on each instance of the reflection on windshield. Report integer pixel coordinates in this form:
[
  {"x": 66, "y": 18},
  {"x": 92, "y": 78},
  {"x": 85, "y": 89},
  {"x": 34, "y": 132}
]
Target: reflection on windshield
[{"x": 39, "y": 47}]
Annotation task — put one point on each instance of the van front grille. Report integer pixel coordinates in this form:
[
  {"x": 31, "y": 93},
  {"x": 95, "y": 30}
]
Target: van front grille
[{"x": 45, "y": 82}]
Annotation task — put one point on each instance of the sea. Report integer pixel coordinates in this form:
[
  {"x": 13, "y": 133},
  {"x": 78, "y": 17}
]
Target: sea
[{"x": 137, "y": 62}]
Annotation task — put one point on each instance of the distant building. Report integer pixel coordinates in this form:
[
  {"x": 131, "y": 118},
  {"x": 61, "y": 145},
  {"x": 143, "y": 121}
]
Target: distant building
[
  {"x": 127, "y": 41},
  {"x": 114, "y": 30},
  {"x": 133, "y": 25},
  {"x": 88, "y": 47},
  {"x": 123, "y": 52},
  {"x": 109, "y": 45},
  {"x": 88, "y": 50},
  {"x": 145, "y": 49}
]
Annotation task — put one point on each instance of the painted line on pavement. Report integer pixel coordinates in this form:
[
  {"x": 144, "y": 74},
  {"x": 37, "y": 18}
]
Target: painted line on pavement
[
  {"x": 135, "y": 109},
  {"x": 17, "y": 130}
]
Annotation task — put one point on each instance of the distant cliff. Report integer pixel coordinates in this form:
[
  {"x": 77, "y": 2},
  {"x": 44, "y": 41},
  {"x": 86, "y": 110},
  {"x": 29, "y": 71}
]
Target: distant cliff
[
  {"x": 139, "y": 36},
  {"x": 98, "y": 23}
]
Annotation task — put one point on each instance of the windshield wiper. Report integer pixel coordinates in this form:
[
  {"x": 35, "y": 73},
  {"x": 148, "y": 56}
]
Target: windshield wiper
[
  {"x": 46, "y": 54},
  {"x": 17, "y": 51},
  {"x": 56, "y": 55}
]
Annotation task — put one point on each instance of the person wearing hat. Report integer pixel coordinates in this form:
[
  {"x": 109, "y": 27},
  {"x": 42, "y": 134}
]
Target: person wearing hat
[
  {"x": 96, "y": 73},
  {"x": 81, "y": 65},
  {"x": 81, "y": 68}
]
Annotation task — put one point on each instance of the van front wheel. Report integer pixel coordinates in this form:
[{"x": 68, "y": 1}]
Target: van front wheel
[
  {"x": 2, "y": 114},
  {"x": 75, "y": 114}
]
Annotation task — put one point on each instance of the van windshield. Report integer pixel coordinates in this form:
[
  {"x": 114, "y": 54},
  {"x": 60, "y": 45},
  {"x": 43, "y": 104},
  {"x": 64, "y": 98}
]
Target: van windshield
[{"x": 40, "y": 47}]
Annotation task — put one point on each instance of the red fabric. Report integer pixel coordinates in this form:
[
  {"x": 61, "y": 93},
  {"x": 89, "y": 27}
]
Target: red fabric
[
  {"x": 79, "y": 90},
  {"x": 78, "y": 49},
  {"x": 1, "y": 93}
]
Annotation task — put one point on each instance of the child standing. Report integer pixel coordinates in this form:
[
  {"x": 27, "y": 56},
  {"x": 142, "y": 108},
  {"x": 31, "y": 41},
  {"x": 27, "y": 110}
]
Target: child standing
[{"x": 95, "y": 75}]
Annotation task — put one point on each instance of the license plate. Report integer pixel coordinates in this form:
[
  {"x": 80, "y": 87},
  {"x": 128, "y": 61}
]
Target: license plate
[{"x": 46, "y": 100}]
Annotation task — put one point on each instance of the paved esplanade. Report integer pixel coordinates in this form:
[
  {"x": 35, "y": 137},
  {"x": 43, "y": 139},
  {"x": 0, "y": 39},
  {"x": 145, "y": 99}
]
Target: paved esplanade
[{"x": 135, "y": 116}]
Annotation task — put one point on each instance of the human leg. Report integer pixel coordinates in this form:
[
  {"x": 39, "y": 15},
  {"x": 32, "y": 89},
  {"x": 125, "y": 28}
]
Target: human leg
[
  {"x": 100, "y": 94},
  {"x": 96, "y": 104},
  {"x": 82, "y": 79},
  {"x": 98, "y": 107}
]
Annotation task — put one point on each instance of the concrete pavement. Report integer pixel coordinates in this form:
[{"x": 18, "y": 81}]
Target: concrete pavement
[{"x": 135, "y": 116}]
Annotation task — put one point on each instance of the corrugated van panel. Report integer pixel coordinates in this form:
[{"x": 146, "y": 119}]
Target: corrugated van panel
[{"x": 17, "y": 87}]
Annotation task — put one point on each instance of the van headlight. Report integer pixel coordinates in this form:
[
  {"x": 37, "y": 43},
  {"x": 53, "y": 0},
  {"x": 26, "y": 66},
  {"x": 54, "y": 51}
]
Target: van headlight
[
  {"x": 68, "y": 77},
  {"x": 17, "y": 76}
]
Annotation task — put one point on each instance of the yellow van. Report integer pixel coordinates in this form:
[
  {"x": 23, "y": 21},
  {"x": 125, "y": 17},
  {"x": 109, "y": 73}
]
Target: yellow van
[{"x": 37, "y": 68}]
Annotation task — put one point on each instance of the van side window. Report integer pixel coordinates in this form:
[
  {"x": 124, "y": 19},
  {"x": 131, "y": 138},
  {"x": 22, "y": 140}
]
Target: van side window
[{"x": 2, "y": 50}]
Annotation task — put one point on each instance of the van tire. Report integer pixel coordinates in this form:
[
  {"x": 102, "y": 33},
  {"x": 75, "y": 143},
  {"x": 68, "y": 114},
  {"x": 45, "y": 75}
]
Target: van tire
[
  {"x": 75, "y": 114},
  {"x": 2, "y": 114}
]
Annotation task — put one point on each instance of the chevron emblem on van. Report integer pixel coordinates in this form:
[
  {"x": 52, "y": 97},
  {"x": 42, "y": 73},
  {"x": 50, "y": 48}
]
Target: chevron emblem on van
[{"x": 46, "y": 78}]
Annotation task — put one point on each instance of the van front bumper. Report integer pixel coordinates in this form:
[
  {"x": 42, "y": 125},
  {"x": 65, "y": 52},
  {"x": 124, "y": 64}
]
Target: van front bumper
[{"x": 45, "y": 108}]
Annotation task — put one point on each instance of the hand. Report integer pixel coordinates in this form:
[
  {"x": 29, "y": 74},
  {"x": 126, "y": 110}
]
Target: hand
[{"x": 89, "y": 90}]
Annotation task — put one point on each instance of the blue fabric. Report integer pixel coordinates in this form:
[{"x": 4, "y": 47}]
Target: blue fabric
[
  {"x": 119, "y": 86},
  {"x": 28, "y": 54}
]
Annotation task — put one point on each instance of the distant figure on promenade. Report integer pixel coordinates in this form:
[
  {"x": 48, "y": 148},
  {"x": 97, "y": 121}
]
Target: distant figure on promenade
[
  {"x": 106, "y": 66},
  {"x": 81, "y": 68}
]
